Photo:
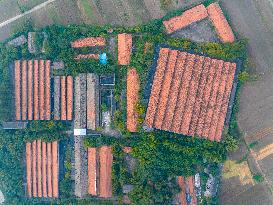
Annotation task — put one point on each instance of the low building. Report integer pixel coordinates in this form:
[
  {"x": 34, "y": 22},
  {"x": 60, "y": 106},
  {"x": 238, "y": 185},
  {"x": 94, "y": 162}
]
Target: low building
[
  {"x": 42, "y": 169},
  {"x": 190, "y": 94}
]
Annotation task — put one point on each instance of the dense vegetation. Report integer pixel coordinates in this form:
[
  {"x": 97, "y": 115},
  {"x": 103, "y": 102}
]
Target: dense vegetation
[{"x": 161, "y": 155}]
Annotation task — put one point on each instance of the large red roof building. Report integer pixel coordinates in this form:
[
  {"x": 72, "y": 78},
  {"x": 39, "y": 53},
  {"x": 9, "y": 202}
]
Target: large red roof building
[{"x": 190, "y": 94}]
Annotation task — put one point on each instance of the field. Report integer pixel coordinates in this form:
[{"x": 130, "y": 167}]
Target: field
[
  {"x": 97, "y": 12},
  {"x": 256, "y": 99},
  {"x": 26, "y": 5}
]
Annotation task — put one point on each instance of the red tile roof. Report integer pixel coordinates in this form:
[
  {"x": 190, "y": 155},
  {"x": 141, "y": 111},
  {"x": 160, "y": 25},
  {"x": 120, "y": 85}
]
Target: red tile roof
[
  {"x": 220, "y": 22},
  {"x": 24, "y": 90},
  {"x": 42, "y": 169},
  {"x": 124, "y": 48},
  {"x": 92, "y": 171},
  {"x": 190, "y": 94},
  {"x": 36, "y": 90},
  {"x": 132, "y": 99},
  {"x": 42, "y": 89},
  {"x": 69, "y": 90},
  {"x": 104, "y": 158},
  {"x": 17, "y": 80},
  {"x": 187, "y": 187},
  {"x": 106, "y": 161},
  {"x": 47, "y": 91},
  {"x": 32, "y": 90},
  {"x": 89, "y": 42},
  {"x": 190, "y": 16}
]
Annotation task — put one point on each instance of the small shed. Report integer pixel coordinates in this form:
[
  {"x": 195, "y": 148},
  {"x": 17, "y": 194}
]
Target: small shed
[{"x": 80, "y": 132}]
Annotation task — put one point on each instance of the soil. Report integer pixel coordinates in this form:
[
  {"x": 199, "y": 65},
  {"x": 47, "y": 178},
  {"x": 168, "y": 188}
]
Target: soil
[
  {"x": 253, "y": 19},
  {"x": 201, "y": 31}
]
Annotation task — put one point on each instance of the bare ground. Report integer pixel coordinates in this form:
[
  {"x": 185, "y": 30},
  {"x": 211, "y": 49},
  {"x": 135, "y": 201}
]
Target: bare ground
[{"x": 253, "y": 20}]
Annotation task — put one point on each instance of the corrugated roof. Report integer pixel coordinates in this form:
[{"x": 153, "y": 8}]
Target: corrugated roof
[{"x": 190, "y": 94}]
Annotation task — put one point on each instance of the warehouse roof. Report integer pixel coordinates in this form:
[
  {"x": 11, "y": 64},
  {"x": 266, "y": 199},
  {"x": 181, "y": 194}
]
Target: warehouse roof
[{"x": 190, "y": 94}]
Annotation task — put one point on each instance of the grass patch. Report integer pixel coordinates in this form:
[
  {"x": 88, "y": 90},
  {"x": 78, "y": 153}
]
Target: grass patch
[
  {"x": 88, "y": 10},
  {"x": 258, "y": 178},
  {"x": 253, "y": 144},
  {"x": 26, "y": 5}
]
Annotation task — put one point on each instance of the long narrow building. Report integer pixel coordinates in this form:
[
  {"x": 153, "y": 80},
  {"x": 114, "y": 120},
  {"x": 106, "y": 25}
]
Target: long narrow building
[
  {"x": 32, "y": 90},
  {"x": 42, "y": 169}
]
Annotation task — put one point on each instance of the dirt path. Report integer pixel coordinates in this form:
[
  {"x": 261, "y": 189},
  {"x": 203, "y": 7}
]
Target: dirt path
[{"x": 38, "y": 7}]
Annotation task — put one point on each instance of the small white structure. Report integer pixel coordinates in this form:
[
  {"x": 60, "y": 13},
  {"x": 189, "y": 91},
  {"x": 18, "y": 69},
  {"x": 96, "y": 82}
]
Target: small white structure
[
  {"x": 79, "y": 132},
  {"x": 2, "y": 199}
]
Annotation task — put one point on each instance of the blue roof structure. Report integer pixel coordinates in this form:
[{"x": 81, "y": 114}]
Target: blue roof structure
[{"x": 103, "y": 59}]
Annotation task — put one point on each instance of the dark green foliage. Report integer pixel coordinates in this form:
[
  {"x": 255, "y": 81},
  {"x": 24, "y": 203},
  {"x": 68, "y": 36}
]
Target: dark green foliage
[
  {"x": 11, "y": 167},
  {"x": 258, "y": 178}
]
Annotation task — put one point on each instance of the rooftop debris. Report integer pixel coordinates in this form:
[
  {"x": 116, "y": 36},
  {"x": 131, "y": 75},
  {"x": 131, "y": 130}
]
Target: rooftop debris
[
  {"x": 220, "y": 22},
  {"x": 87, "y": 56},
  {"x": 20, "y": 40},
  {"x": 80, "y": 164},
  {"x": 190, "y": 16},
  {"x": 57, "y": 65},
  {"x": 92, "y": 101},
  {"x": 124, "y": 48},
  {"x": 190, "y": 94},
  {"x": 80, "y": 101},
  {"x": 31, "y": 42},
  {"x": 187, "y": 194},
  {"x": 127, "y": 150}
]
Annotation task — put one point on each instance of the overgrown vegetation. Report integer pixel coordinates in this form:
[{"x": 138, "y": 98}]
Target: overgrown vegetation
[{"x": 161, "y": 156}]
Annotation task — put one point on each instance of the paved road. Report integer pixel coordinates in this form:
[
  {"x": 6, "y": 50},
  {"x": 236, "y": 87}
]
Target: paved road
[{"x": 15, "y": 18}]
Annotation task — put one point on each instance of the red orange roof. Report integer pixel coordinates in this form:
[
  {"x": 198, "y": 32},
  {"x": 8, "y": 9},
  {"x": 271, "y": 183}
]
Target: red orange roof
[
  {"x": 220, "y": 22},
  {"x": 32, "y": 90},
  {"x": 186, "y": 185},
  {"x": 190, "y": 16},
  {"x": 104, "y": 157},
  {"x": 89, "y": 42},
  {"x": 124, "y": 48},
  {"x": 42, "y": 169},
  {"x": 132, "y": 99},
  {"x": 190, "y": 94}
]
